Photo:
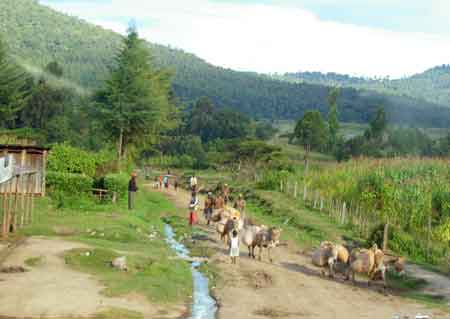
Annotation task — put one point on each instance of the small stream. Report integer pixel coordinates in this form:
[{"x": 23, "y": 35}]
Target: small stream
[{"x": 204, "y": 306}]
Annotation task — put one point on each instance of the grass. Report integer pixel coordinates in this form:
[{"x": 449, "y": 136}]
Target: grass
[
  {"x": 34, "y": 261},
  {"x": 112, "y": 230},
  {"x": 115, "y": 313},
  {"x": 308, "y": 228}
]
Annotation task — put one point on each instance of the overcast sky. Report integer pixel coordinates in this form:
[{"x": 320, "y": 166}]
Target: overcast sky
[{"x": 358, "y": 37}]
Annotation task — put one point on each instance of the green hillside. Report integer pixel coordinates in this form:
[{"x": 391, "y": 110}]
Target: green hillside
[
  {"x": 37, "y": 35},
  {"x": 432, "y": 85}
]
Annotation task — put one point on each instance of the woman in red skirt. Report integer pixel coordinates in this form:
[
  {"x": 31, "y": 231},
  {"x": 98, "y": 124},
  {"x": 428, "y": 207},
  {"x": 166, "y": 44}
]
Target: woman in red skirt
[{"x": 193, "y": 206}]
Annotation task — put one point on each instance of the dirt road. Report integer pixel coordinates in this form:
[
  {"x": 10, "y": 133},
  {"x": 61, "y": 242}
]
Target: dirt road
[
  {"x": 292, "y": 288},
  {"x": 53, "y": 290}
]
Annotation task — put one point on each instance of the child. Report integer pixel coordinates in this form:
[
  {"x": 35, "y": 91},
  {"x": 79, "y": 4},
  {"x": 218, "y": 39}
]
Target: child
[{"x": 234, "y": 247}]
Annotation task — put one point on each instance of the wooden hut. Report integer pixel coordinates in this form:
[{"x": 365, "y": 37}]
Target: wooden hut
[{"x": 28, "y": 158}]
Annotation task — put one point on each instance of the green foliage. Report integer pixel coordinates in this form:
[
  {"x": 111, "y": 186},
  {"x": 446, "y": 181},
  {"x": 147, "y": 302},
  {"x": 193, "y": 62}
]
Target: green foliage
[
  {"x": 64, "y": 158},
  {"x": 117, "y": 183},
  {"x": 333, "y": 121},
  {"x": 429, "y": 86},
  {"x": 86, "y": 54},
  {"x": 65, "y": 183},
  {"x": 210, "y": 123},
  {"x": 134, "y": 105},
  {"x": 408, "y": 193},
  {"x": 271, "y": 179},
  {"x": 12, "y": 89},
  {"x": 311, "y": 131}
]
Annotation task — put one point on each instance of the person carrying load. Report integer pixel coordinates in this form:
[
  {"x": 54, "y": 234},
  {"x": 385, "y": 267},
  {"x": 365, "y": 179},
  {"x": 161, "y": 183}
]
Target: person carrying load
[{"x": 209, "y": 205}]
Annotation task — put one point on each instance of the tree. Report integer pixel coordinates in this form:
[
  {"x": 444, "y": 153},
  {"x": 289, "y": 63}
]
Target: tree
[
  {"x": 378, "y": 123},
  {"x": 311, "y": 132},
  {"x": 333, "y": 121},
  {"x": 12, "y": 89},
  {"x": 54, "y": 69},
  {"x": 134, "y": 107}
]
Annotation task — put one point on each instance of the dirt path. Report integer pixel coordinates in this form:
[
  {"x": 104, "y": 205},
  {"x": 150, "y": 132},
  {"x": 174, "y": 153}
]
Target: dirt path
[
  {"x": 292, "y": 288},
  {"x": 438, "y": 285},
  {"x": 53, "y": 290}
]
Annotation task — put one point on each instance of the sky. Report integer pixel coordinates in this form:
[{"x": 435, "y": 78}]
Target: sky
[{"x": 370, "y": 38}]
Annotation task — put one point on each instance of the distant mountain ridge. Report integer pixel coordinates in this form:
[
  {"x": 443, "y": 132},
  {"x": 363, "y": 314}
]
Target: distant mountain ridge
[
  {"x": 433, "y": 85},
  {"x": 37, "y": 35}
]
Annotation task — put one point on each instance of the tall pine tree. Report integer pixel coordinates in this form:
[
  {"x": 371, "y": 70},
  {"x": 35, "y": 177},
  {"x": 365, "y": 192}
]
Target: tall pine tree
[
  {"x": 333, "y": 121},
  {"x": 135, "y": 104},
  {"x": 12, "y": 89}
]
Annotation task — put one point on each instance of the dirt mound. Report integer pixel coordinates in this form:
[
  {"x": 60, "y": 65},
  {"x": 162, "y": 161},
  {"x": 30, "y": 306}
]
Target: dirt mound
[
  {"x": 275, "y": 313},
  {"x": 12, "y": 270},
  {"x": 259, "y": 280}
]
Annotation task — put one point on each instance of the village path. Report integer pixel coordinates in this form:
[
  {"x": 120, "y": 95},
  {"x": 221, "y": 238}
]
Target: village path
[{"x": 292, "y": 288}]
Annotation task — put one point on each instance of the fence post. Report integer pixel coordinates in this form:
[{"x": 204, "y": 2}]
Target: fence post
[
  {"x": 344, "y": 211},
  {"x": 321, "y": 204},
  {"x": 295, "y": 189},
  {"x": 305, "y": 193},
  {"x": 281, "y": 186},
  {"x": 5, "y": 215}
]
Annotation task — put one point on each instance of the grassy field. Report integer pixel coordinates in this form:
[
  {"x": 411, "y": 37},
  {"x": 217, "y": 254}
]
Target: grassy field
[{"x": 112, "y": 231}]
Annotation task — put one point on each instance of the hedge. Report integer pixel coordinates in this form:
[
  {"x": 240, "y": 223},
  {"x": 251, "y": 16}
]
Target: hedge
[
  {"x": 68, "y": 183},
  {"x": 117, "y": 183}
]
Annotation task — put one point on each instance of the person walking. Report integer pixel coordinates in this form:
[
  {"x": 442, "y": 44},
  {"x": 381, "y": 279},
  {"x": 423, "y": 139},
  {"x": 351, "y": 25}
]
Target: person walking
[
  {"x": 226, "y": 193},
  {"x": 240, "y": 204},
  {"x": 218, "y": 203},
  {"x": 234, "y": 247},
  {"x": 193, "y": 206},
  {"x": 175, "y": 184},
  {"x": 160, "y": 181},
  {"x": 208, "y": 210},
  {"x": 132, "y": 189},
  {"x": 193, "y": 183},
  {"x": 166, "y": 181}
]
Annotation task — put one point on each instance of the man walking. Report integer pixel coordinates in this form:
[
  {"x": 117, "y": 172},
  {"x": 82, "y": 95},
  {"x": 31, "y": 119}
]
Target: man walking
[{"x": 132, "y": 189}]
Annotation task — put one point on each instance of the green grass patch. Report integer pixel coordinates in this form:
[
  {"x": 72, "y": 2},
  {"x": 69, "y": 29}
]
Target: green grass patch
[
  {"x": 113, "y": 230},
  {"x": 308, "y": 228},
  {"x": 115, "y": 313},
  {"x": 159, "y": 279},
  {"x": 404, "y": 282},
  {"x": 34, "y": 261}
]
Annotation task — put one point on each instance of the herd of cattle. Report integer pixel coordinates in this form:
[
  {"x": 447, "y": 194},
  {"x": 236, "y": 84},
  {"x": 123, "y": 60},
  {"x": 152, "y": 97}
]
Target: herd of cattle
[{"x": 330, "y": 257}]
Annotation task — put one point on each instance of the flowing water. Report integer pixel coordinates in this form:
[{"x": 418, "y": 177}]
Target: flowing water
[{"x": 204, "y": 306}]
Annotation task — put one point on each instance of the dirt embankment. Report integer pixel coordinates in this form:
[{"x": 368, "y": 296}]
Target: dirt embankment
[{"x": 292, "y": 288}]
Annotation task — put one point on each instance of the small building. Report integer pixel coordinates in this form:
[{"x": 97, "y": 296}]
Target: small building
[{"x": 27, "y": 158}]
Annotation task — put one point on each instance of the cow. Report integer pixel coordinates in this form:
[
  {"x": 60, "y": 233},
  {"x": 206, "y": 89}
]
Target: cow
[
  {"x": 328, "y": 254},
  {"x": 261, "y": 237}
]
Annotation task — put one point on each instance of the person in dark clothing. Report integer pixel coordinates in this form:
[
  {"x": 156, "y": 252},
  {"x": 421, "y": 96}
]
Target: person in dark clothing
[{"x": 132, "y": 188}]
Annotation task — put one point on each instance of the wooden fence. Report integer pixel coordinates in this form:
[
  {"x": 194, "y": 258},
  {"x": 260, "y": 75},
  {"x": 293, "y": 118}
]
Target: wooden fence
[
  {"x": 17, "y": 201},
  {"x": 354, "y": 215}
]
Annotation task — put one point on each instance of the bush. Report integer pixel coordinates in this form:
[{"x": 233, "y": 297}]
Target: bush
[
  {"x": 64, "y": 158},
  {"x": 271, "y": 180},
  {"x": 67, "y": 183},
  {"x": 117, "y": 183}
]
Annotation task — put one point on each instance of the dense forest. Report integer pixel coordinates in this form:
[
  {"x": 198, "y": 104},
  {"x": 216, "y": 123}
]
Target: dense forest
[
  {"x": 37, "y": 35},
  {"x": 431, "y": 85}
]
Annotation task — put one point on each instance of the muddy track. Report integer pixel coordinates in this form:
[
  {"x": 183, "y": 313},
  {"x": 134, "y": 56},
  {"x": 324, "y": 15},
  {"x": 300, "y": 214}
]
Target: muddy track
[{"x": 292, "y": 288}]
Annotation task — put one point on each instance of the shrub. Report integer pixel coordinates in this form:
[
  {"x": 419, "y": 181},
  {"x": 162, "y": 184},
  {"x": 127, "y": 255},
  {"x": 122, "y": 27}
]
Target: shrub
[
  {"x": 117, "y": 183},
  {"x": 271, "y": 180},
  {"x": 67, "y": 183},
  {"x": 64, "y": 158}
]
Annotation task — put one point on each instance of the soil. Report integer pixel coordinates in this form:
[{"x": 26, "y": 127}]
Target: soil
[
  {"x": 53, "y": 290},
  {"x": 291, "y": 287}
]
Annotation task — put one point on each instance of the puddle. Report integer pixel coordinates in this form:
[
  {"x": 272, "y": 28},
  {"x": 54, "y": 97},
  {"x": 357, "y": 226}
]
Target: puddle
[{"x": 204, "y": 306}]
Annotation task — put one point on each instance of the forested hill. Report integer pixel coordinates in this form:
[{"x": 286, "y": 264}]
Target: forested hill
[
  {"x": 37, "y": 35},
  {"x": 432, "y": 85}
]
